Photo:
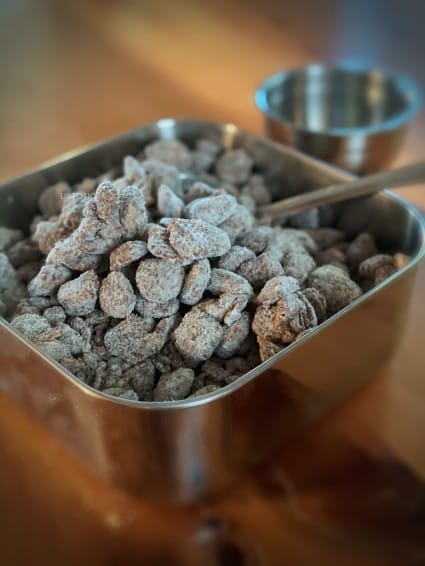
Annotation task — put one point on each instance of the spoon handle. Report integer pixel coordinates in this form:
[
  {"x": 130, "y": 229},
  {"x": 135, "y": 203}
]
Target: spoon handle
[{"x": 402, "y": 176}]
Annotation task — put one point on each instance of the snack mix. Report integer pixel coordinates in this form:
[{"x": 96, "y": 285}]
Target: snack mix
[{"x": 162, "y": 282}]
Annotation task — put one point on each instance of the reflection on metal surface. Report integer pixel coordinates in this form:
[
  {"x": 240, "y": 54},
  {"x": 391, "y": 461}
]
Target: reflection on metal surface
[{"x": 191, "y": 449}]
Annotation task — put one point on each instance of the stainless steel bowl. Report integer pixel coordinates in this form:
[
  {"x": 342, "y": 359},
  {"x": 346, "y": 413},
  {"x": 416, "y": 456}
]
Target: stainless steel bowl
[
  {"x": 186, "y": 450},
  {"x": 351, "y": 118}
]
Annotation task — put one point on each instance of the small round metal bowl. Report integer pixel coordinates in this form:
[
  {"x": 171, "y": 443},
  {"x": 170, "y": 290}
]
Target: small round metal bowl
[{"x": 355, "y": 119}]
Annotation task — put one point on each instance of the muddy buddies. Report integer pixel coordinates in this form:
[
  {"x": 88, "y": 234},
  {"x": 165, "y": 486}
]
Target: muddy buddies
[{"x": 162, "y": 282}]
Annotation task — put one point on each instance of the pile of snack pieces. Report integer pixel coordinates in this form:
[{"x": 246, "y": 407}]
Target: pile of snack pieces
[{"x": 163, "y": 283}]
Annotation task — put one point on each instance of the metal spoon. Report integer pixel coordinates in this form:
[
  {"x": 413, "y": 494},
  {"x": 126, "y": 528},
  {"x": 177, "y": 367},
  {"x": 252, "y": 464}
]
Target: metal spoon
[{"x": 402, "y": 176}]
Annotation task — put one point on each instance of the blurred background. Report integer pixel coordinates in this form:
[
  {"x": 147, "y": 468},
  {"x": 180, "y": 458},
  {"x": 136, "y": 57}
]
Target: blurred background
[
  {"x": 76, "y": 71},
  {"x": 73, "y": 72}
]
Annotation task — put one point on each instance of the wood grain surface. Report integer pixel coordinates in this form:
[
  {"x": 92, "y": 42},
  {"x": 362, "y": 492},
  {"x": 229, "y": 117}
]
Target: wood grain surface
[{"x": 349, "y": 491}]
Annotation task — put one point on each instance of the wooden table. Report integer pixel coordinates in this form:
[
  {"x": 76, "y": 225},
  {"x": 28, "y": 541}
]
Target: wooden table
[{"x": 73, "y": 72}]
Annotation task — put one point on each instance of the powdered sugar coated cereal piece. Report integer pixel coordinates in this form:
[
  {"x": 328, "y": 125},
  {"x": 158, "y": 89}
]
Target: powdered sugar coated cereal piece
[
  {"x": 47, "y": 234},
  {"x": 32, "y": 326},
  {"x": 238, "y": 224},
  {"x": 78, "y": 296},
  {"x": 277, "y": 288},
  {"x": 196, "y": 239},
  {"x": 28, "y": 271},
  {"x": 174, "y": 386},
  {"x": 8, "y": 275},
  {"x": 298, "y": 265},
  {"x": 198, "y": 190},
  {"x": 132, "y": 340},
  {"x": 205, "y": 390},
  {"x": 235, "y": 257},
  {"x": 149, "y": 309},
  {"x": 258, "y": 190},
  {"x": 226, "y": 308},
  {"x": 335, "y": 285},
  {"x": 377, "y": 268},
  {"x": 267, "y": 348},
  {"x": 54, "y": 315},
  {"x": 116, "y": 295},
  {"x": 51, "y": 199},
  {"x": 234, "y": 166},
  {"x": 72, "y": 210},
  {"x": 168, "y": 203},
  {"x": 326, "y": 237},
  {"x": 282, "y": 321},
  {"x": 142, "y": 379},
  {"x": 133, "y": 214},
  {"x": 49, "y": 279},
  {"x": 133, "y": 170},
  {"x": 127, "y": 253},
  {"x": 159, "y": 173},
  {"x": 23, "y": 252},
  {"x": 233, "y": 337},
  {"x": 317, "y": 301},
  {"x": 196, "y": 282},
  {"x": 284, "y": 240},
  {"x": 171, "y": 152},
  {"x": 362, "y": 247},
  {"x": 159, "y": 245},
  {"x": 213, "y": 209},
  {"x": 197, "y": 336},
  {"x": 257, "y": 239},
  {"x": 259, "y": 270},
  {"x": 224, "y": 282},
  {"x": 159, "y": 281}
]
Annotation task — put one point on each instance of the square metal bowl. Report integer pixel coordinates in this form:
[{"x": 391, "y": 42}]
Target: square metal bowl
[{"x": 183, "y": 451}]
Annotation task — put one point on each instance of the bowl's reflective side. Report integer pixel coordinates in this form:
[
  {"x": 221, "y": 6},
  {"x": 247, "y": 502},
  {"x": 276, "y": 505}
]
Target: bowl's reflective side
[
  {"x": 186, "y": 453},
  {"x": 361, "y": 154}
]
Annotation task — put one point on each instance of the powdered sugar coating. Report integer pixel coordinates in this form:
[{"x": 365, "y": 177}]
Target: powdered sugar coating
[
  {"x": 227, "y": 308},
  {"x": 259, "y": 270},
  {"x": 235, "y": 257},
  {"x": 148, "y": 309},
  {"x": 79, "y": 296},
  {"x": 225, "y": 282},
  {"x": 233, "y": 336},
  {"x": 47, "y": 234},
  {"x": 168, "y": 203},
  {"x": 197, "y": 336},
  {"x": 159, "y": 281},
  {"x": 234, "y": 166},
  {"x": 127, "y": 253},
  {"x": 171, "y": 152},
  {"x": 175, "y": 385},
  {"x": 196, "y": 282},
  {"x": 159, "y": 245},
  {"x": 196, "y": 239},
  {"x": 214, "y": 209},
  {"x": 132, "y": 339},
  {"x": 298, "y": 265},
  {"x": 335, "y": 285},
  {"x": 116, "y": 295},
  {"x": 49, "y": 279}
]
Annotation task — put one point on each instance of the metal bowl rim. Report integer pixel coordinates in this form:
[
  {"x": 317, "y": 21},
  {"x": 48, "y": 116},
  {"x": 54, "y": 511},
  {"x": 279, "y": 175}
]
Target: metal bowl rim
[{"x": 407, "y": 86}]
